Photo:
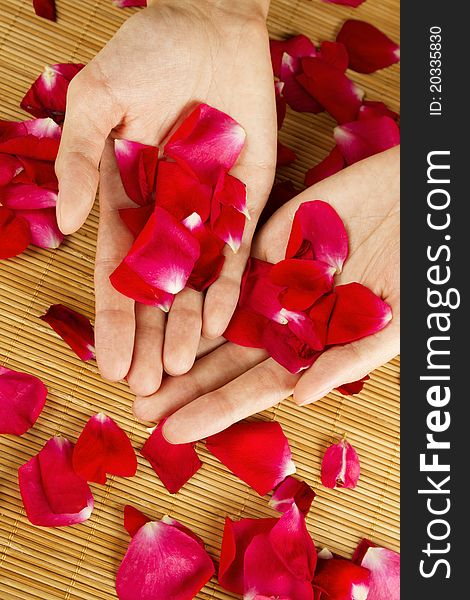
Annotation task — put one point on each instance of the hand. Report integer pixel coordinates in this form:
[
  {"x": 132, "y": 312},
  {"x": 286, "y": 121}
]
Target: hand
[
  {"x": 232, "y": 382},
  {"x": 162, "y": 61}
]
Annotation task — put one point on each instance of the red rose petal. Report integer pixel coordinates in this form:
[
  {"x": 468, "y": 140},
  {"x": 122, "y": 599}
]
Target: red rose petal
[
  {"x": 372, "y": 108},
  {"x": 292, "y": 491},
  {"x": 10, "y": 166},
  {"x": 230, "y": 191},
  {"x": 45, "y": 9},
  {"x": 331, "y": 88},
  {"x": 361, "y": 550},
  {"x": 103, "y": 448},
  {"x": 369, "y": 48},
  {"x": 136, "y": 218},
  {"x": 340, "y": 466},
  {"x": 384, "y": 567},
  {"x": 163, "y": 256},
  {"x": 304, "y": 281},
  {"x": 287, "y": 349},
  {"x": 75, "y": 329},
  {"x": 163, "y": 562},
  {"x": 229, "y": 227},
  {"x": 127, "y": 3},
  {"x": 134, "y": 519},
  {"x": 246, "y": 328},
  {"x": 126, "y": 281},
  {"x": 174, "y": 464},
  {"x": 37, "y": 138},
  {"x": 181, "y": 193},
  {"x": 297, "y": 47},
  {"x": 282, "y": 192},
  {"x": 45, "y": 232},
  {"x": 27, "y": 196},
  {"x": 330, "y": 165},
  {"x": 207, "y": 142},
  {"x": 341, "y": 579},
  {"x": 15, "y": 234},
  {"x": 352, "y": 3},
  {"x": 256, "y": 452},
  {"x": 48, "y": 94},
  {"x": 53, "y": 494},
  {"x": 22, "y": 398},
  {"x": 335, "y": 54},
  {"x": 137, "y": 165},
  {"x": 318, "y": 233},
  {"x": 357, "y": 313},
  {"x": 295, "y": 94},
  {"x": 349, "y": 389},
  {"x": 364, "y": 138},
  {"x": 238, "y": 535},
  {"x": 285, "y": 155}
]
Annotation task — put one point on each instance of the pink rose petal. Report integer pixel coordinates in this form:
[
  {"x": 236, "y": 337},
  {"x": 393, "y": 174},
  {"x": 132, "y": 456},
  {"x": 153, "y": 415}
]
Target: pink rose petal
[
  {"x": 292, "y": 491},
  {"x": 229, "y": 227},
  {"x": 102, "y": 449},
  {"x": 22, "y": 398},
  {"x": 360, "y": 139},
  {"x": 340, "y": 466},
  {"x": 45, "y": 232},
  {"x": 27, "y": 196},
  {"x": 126, "y": 281},
  {"x": 174, "y": 464},
  {"x": 369, "y": 48},
  {"x": 230, "y": 191},
  {"x": 127, "y": 3},
  {"x": 137, "y": 165},
  {"x": 15, "y": 234},
  {"x": 163, "y": 562},
  {"x": 256, "y": 452},
  {"x": 341, "y": 579},
  {"x": 75, "y": 329},
  {"x": 384, "y": 567},
  {"x": 53, "y": 494},
  {"x": 330, "y": 165}
]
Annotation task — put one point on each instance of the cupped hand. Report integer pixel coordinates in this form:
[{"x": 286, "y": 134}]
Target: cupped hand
[
  {"x": 231, "y": 382},
  {"x": 163, "y": 61}
]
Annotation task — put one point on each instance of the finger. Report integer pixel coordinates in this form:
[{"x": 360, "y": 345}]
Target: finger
[
  {"x": 115, "y": 319},
  {"x": 263, "y": 386},
  {"x": 206, "y": 345},
  {"x": 90, "y": 116},
  {"x": 145, "y": 374},
  {"x": 345, "y": 364},
  {"x": 183, "y": 332},
  {"x": 209, "y": 373}
]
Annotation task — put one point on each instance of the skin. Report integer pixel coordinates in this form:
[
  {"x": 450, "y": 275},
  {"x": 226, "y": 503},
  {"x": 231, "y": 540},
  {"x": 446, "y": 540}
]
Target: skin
[
  {"x": 158, "y": 66},
  {"x": 231, "y": 382}
]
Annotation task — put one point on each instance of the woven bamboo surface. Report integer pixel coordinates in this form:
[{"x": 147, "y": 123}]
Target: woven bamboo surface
[{"x": 80, "y": 562}]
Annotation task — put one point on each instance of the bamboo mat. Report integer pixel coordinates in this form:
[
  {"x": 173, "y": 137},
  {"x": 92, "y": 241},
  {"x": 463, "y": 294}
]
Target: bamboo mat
[{"x": 80, "y": 562}]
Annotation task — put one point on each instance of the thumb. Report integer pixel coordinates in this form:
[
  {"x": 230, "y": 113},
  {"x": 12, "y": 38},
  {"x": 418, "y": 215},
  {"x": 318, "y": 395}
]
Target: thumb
[
  {"x": 88, "y": 122},
  {"x": 345, "y": 364}
]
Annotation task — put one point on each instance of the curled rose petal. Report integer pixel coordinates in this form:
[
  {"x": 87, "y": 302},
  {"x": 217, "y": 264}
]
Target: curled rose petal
[
  {"x": 38, "y": 138},
  {"x": 163, "y": 562},
  {"x": 45, "y": 9},
  {"x": 372, "y": 108},
  {"x": 47, "y": 95},
  {"x": 207, "y": 142},
  {"x": 134, "y": 519},
  {"x": 136, "y": 218},
  {"x": 285, "y": 155},
  {"x": 318, "y": 232},
  {"x": 15, "y": 234},
  {"x": 256, "y": 452},
  {"x": 22, "y": 398},
  {"x": 292, "y": 491},
  {"x": 238, "y": 535},
  {"x": 384, "y": 567},
  {"x": 282, "y": 192},
  {"x": 357, "y": 313},
  {"x": 45, "y": 232},
  {"x": 340, "y": 466},
  {"x": 174, "y": 464},
  {"x": 137, "y": 165},
  {"x": 340, "y": 96},
  {"x": 330, "y": 165},
  {"x": 162, "y": 256},
  {"x": 75, "y": 329},
  {"x": 369, "y": 48},
  {"x": 364, "y": 138},
  {"x": 102, "y": 449},
  {"x": 354, "y": 387},
  {"x": 53, "y": 494},
  {"x": 341, "y": 579}
]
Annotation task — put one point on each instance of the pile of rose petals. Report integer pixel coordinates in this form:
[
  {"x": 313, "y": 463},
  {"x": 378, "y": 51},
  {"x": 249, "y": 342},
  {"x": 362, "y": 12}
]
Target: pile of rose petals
[
  {"x": 75, "y": 329},
  {"x": 292, "y": 309},
  {"x": 188, "y": 207}
]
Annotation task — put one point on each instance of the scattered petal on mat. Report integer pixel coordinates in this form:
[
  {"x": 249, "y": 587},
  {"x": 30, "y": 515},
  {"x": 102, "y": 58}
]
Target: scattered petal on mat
[
  {"x": 285, "y": 155},
  {"x": 372, "y": 108},
  {"x": 364, "y": 138},
  {"x": 384, "y": 567},
  {"x": 238, "y": 535},
  {"x": 335, "y": 54},
  {"x": 369, "y": 48},
  {"x": 15, "y": 233},
  {"x": 47, "y": 95},
  {"x": 45, "y": 232},
  {"x": 256, "y": 452},
  {"x": 295, "y": 94},
  {"x": 297, "y": 47},
  {"x": 75, "y": 329},
  {"x": 357, "y": 313},
  {"x": 45, "y": 9},
  {"x": 103, "y": 448},
  {"x": 330, "y": 165},
  {"x": 137, "y": 165},
  {"x": 22, "y": 398},
  {"x": 354, "y": 387},
  {"x": 207, "y": 142},
  {"x": 126, "y": 3},
  {"x": 174, "y": 464},
  {"x": 292, "y": 491},
  {"x": 340, "y": 466},
  {"x": 174, "y": 523},
  {"x": 53, "y": 494},
  {"x": 163, "y": 562},
  {"x": 341, "y": 579},
  {"x": 351, "y": 3},
  {"x": 134, "y": 519}
]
